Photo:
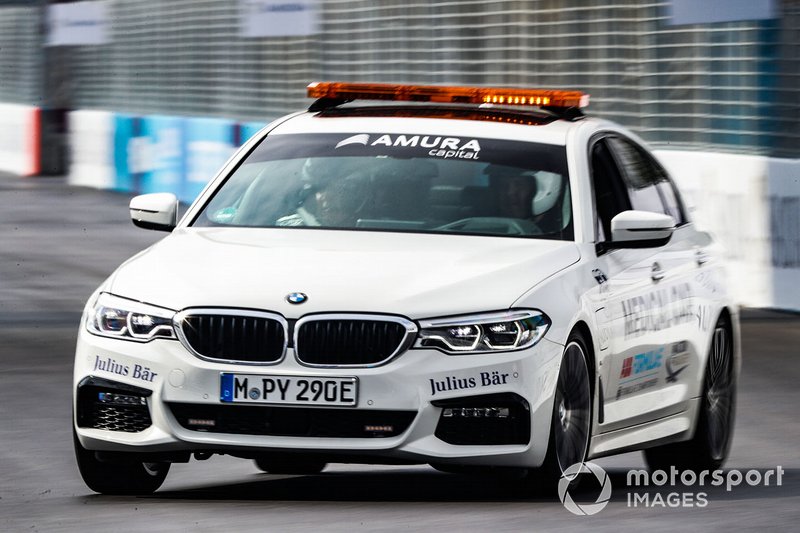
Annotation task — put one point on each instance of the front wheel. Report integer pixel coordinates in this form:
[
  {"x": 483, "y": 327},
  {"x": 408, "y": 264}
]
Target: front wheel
[
  {"x": 118, "y": 478},
  {"x": 711, "y": 443},
  {"x": 572, "y": 412}
]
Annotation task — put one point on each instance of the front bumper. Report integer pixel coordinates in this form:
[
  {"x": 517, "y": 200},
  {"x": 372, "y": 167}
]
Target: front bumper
[{"x": 422, "y": 383}]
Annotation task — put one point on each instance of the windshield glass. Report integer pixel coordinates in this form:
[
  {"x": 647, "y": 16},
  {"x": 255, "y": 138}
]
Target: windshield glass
[{"x": 393, "y": 182}]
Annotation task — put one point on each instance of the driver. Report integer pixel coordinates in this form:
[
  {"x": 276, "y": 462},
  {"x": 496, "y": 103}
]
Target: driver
[{"x": 331, "y": 200}]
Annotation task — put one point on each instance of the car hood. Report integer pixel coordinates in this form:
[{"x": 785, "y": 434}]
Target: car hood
[{"x": 415, "y": 275}]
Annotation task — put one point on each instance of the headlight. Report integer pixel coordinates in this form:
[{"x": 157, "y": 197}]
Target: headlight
[
  {"x": 486, "y": 333},
  {"x": 121, "y": 318}
]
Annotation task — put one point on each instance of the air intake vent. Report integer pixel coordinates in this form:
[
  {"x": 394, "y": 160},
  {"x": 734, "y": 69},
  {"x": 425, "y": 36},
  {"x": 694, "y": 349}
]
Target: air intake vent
[
  {"x": 486, "y": 420},
  {"x": 351, "y": 340},
  {"x": 233, "y": 335},
  {"x": 113, "y": 406},
  {"x": 292, "y": 421}
]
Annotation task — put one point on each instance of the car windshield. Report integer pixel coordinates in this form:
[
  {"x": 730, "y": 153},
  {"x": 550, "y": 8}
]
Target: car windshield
[{"x": 398, "y": 182}]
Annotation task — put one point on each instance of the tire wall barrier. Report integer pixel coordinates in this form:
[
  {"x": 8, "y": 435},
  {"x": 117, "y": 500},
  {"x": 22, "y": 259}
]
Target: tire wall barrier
[
  {"x": 751, "y": 205},
  {"x": 20, "y": 139}
]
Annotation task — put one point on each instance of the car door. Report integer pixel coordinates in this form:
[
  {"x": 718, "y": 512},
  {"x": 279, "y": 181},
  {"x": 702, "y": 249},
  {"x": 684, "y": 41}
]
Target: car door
[{"x": 645, "y": 297}]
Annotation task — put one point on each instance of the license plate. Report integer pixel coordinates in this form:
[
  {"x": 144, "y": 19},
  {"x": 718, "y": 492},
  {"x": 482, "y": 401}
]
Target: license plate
[{"x": 288, "y": 390}]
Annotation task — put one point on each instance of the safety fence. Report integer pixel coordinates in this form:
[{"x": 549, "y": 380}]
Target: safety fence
[
  {"x": 21, "y": 58},
  {"x": 727, "y": 86}
]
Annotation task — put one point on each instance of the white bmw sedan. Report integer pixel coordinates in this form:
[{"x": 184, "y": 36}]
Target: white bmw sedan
[{"x": 465, "y": 277}]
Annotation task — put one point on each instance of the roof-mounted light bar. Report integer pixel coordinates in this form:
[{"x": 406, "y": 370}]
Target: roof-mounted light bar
[{"x": 457, "y": 95}]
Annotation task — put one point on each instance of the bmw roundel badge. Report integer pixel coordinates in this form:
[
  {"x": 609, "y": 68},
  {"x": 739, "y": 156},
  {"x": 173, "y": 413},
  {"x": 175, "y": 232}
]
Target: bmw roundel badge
[{"x": 296, "y": 297}]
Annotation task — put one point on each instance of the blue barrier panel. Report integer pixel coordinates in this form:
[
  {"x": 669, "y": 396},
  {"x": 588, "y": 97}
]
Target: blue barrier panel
[
  {"x": 173, "y": 154},
  {"x": 165, "y": 164},
  {"x": 209, "y": 144},
  {"x": 247, "y": 130},
  {"x": 127, "y": 143}
]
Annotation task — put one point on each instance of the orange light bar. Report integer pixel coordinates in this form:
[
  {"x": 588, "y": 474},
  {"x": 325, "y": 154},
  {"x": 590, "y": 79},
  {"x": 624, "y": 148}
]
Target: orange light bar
[{"x": 437, "y": 93}]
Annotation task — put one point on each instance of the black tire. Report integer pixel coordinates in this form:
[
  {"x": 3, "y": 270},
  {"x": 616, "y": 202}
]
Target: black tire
[
  {"x": 455, "y": 469},
  {"x": 127, "y": 477},
  {"x": 709, "y": 447},
  {"x": 299, "y": 466},
  {"x": 572, "y": 415}
]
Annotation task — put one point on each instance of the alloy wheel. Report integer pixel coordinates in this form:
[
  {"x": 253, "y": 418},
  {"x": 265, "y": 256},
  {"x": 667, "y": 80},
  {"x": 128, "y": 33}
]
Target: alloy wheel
[
  {"x": 719, "y": 393},
  {"x": 572, "y": 408}
]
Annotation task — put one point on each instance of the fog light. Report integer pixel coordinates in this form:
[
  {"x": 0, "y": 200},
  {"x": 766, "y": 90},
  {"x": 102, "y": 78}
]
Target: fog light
[
  {"x": 476, "y": 412},
  {"x": 379, "y": 429},
  {"x": 113, "y": 398},
  {"x": 202, "y": 422}
]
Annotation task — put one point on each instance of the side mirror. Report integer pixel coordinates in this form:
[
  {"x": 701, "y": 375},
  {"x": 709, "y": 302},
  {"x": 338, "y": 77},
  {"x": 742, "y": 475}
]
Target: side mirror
[
  {"x": 158, "y": 211},
  {"x": 640, "y": 229}
]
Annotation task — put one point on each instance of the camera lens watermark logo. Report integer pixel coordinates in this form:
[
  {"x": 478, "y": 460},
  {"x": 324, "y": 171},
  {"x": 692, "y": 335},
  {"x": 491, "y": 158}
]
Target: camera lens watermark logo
[
  {"x": 671, "y": 488},
  {"x": 570, "y": 474},
  {"x": 678, "y": 481}
]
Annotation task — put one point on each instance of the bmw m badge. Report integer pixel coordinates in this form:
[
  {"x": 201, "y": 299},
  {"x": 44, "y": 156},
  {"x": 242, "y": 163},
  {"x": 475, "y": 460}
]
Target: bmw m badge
[{"x": 296, "y": 298}]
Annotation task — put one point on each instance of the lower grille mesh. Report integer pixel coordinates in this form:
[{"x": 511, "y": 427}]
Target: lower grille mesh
[{"x": 127, "y": 418}]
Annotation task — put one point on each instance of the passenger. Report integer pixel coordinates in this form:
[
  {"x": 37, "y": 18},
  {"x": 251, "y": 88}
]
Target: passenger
[{"x": 513, "y": 190}]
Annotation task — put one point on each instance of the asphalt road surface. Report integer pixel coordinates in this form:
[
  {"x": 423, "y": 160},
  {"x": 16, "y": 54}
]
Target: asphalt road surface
[{"x": 58, "y": 243}]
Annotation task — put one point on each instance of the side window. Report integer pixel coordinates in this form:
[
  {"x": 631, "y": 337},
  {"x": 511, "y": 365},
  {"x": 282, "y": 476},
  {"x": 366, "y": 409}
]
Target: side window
[
  {"x": 610, "y": 196},
  {"x": 638, "y": 176},
  {"x": 648, "y": 185},
  {"x": 671, "y": 201}
]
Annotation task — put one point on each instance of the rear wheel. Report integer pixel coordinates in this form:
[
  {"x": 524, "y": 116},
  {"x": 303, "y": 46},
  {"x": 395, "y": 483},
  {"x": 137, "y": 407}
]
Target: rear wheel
[
  {"x": 709, "y": 447},
  {"x": 126, "y": 477},
  {"x": 290, "y": 465},
  {"x": 572, "y": 413}
]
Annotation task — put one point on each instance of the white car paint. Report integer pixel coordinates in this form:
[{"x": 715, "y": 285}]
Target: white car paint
[
  {"x": 256, "y": 268},
  {"x": 421, "y": 276}
]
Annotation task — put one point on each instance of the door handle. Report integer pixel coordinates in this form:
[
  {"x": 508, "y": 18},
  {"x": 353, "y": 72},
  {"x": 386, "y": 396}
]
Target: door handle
[
  {"x": 657, "y": 273},
  {"x": 701, "y": 257}
]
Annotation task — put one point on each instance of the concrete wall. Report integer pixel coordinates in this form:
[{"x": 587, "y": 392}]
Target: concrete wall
[
  {"x": 20, "y": 139},
  {"x": 751, "y": 204}
]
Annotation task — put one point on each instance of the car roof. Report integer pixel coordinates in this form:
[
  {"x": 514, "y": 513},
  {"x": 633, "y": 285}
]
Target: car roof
[{"x": 457, "y": 121}]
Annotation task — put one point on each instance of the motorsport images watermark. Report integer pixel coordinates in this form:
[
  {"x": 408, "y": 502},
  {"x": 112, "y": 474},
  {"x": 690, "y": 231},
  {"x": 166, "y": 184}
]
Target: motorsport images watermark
[{"x": 687, "y": 485}]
